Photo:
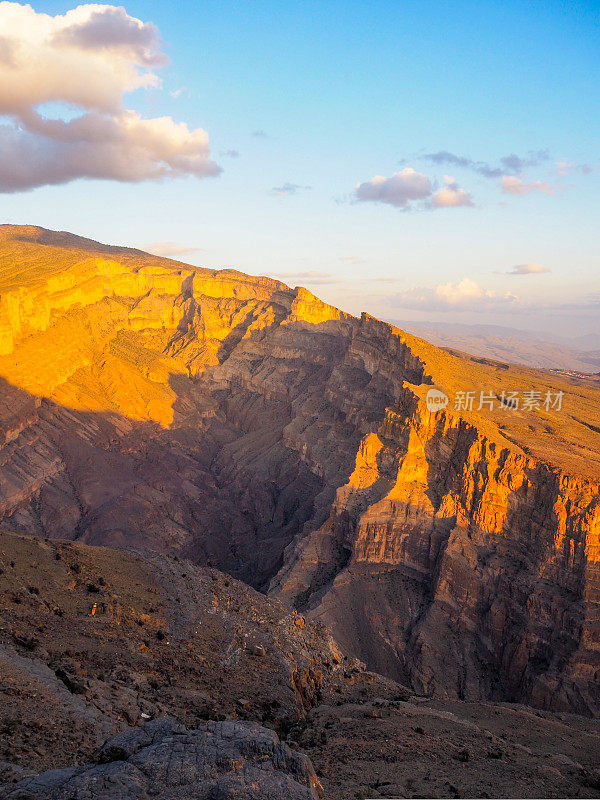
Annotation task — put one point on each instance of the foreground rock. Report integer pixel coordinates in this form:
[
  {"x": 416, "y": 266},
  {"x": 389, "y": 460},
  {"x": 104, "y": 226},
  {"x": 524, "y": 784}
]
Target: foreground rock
[
  {"x": 94, "y": 639},
  {"x": 164, "y": 759}
]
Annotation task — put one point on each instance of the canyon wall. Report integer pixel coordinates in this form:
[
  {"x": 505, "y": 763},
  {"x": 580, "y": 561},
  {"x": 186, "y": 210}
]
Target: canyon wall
[{"x": 245, "y": 425}]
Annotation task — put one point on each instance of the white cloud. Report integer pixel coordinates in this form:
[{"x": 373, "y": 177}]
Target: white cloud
[
  {"x": 407, "y": 187},
  {"x": 512, "y": 184},
  {"x": 528, "y": 269},
  {"x": 169, "y": 249},
  {"x": 399, "y": 190},
  {"x": 86, "y": 59},
  {"x": 466, "y": 295},
  {"x": 451, "y": 195}
]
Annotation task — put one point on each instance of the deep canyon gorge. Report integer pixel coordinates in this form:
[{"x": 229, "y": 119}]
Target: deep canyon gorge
[{"x": 247, "y": 426}]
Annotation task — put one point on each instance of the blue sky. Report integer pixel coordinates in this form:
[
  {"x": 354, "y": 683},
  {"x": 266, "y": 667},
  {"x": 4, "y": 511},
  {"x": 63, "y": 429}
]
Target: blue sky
[{"x": 318, "y": 98}]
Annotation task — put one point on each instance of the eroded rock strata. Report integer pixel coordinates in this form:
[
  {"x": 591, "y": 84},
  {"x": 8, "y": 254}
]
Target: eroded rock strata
[{"x": 249, "y": 426}]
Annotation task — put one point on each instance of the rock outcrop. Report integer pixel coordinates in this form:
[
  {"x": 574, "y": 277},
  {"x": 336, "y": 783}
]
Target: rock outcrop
[
  {"x": 95, "y": 639},
  {"x": 249, "y": 426},
  {"x": 163, "y": 759}
]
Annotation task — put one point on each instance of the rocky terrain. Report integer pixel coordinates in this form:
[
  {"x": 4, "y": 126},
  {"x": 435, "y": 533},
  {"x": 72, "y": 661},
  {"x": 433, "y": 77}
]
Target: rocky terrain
[
  {"x": 121, "y": 671},
  {"x": 244, "y": 425},
  {"x": 219, "y": 759},
  {"x": 93, "y": 640}
]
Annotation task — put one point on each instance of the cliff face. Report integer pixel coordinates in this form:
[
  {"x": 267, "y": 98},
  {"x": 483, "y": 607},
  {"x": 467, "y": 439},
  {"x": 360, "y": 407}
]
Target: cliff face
[
  {"x": 459, "y": 567},
  {"x": 250, "y": 426}
]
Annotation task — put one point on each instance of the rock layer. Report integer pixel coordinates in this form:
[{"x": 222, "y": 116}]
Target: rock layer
[{"x": 249, "y": 426}]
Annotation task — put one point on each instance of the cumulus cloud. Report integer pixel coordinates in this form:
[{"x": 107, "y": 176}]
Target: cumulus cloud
[
  {"x": 400, "y": 190},
  {"x": 528, "y": 269},
  {"x": 451, "y": 195},
  {"x": 408, "y": 186},
  {"x": 466, "y": 295},
  {"x": 512, "y": 184},
  {"x": 510, "y": 164},
  {"x": 288, "y": 188},
  {"x": 109, "y": 27},
  {"x": 86, "y": 59},
  {"x": 170, "y": 249}
]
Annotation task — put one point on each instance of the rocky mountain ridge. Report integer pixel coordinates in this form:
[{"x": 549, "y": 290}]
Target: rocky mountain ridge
[{"x": 249, "y": 426}]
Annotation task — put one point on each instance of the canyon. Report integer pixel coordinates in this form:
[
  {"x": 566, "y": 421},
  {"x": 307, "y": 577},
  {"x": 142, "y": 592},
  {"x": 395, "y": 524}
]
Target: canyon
[{"x": 239, "y": 424}]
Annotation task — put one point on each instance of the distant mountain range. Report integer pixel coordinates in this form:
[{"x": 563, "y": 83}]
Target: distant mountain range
[{"x": 534, "y": 349}]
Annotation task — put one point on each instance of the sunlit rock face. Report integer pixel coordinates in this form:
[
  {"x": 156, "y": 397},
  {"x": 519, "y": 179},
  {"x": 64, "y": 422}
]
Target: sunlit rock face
[{"x": 249, "y": 426}]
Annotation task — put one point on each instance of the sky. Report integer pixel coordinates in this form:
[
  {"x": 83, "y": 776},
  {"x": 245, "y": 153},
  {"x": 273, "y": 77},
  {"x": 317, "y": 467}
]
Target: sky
[{"x": 417, "y": 160}]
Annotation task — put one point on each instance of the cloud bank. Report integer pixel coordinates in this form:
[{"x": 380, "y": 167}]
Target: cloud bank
[
  {"x": 467, "y": 295},
  {"x": 85, "y": 60},
  {"x": 510, "y": 164}
]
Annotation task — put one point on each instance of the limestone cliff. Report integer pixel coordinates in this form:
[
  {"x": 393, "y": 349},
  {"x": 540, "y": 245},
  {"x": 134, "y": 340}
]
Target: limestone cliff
[{"x": 249, "y": 426}]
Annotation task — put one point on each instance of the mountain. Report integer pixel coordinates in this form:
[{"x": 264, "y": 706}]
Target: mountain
[
  {"x": 507, "y": 344},
  {"x": 247, "y": 426}
]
